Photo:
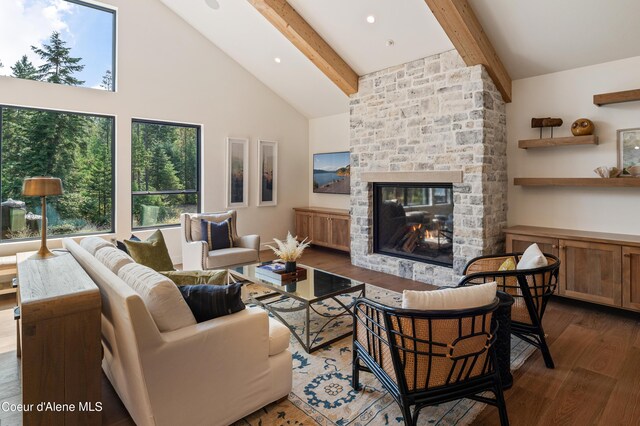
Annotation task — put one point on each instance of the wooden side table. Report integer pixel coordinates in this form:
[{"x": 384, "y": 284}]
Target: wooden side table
[{"x": 59, "y": 330}]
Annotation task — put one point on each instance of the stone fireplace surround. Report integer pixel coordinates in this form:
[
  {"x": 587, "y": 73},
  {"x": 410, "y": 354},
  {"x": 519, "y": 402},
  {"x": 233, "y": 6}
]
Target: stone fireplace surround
[{"x": 428, "y": 121}]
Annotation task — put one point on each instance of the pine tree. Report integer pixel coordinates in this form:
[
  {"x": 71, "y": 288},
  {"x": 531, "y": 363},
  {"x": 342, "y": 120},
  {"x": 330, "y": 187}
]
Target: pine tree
[
  {"x": 59, "y": 67},
  {"x": 25, "y": 69},
  {"x": 107, "y": 81}
]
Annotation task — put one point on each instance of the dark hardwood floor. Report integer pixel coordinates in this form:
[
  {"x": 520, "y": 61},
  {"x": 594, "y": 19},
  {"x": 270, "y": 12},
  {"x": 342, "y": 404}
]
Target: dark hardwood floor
[{"x": 596, "y": 351}]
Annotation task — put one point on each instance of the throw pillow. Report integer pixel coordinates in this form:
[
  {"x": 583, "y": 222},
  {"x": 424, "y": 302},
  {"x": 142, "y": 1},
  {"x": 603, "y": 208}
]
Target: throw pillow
[
  {"x": 213, "y": 276},
  {"x": 212, "y": 301},
  {"x": 160, "y": 295},
  {"x": 532, "y": 258},
  {"x": 508, "y": 265},
  {"x": 123, "y": 247},
  {"x": 218, "y": 235},
  {"x": 473, "y": 296},
  {"x": 152, "y": 252}
]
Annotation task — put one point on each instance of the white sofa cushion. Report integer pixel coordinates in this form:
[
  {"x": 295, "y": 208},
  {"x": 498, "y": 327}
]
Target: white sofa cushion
[
  {"x": 93, "y": 244},
  {"x": 532, "y": 258},
  {"x": 450, "y": 298},
  {"x": 231, "y": 256},
  {"x": 160, "y": 295},
  {"x": 279, "y": 336},
  {"x": 113, "y": 258}
]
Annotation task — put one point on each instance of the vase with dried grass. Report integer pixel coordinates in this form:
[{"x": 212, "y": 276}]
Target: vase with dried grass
[{"x": 289, "y": 251}]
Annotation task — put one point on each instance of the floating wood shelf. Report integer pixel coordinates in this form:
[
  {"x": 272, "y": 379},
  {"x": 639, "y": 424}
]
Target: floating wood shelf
[
  {"x": 616, "y": 97},
  {"x": 546, "y": 142},
  {"x": 586, "y": 182}
]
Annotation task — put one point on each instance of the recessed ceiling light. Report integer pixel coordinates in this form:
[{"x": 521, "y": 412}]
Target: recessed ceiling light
[
  {"x": 278, "y": 60},
  {"x": 390, "y": 43},
  {"x": 213, "y": 4},
  {"x": 371, "y": 19}
]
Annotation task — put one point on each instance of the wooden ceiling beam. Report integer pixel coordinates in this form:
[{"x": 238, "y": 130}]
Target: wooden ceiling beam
[
  {"x": 308, "y": 41},
  {"x": 465, "y": 32}
]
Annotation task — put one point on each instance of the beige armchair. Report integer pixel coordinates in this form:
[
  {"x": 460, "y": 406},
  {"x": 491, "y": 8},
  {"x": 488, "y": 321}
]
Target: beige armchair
[{"x": 195, "y": 253}]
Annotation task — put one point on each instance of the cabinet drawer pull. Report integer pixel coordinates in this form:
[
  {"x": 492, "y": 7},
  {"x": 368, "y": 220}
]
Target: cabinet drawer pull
[
  {"x": 627, "y": 255},
  {"x": 14, "y": 282},
  {"x": 554, "y": 246},
  {"x": 16, "y": 313}
]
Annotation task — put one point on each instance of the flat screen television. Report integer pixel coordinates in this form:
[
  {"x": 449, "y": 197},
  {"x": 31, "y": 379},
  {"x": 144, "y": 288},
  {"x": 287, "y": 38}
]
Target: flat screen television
[{"x": 332, "y": 173}]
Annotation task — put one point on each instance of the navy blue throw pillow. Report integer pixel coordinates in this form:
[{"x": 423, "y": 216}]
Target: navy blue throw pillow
[
  {"x": 208, "y": 301},
  {"x": 218, "y": 235},
  {"x": 121, "y": 245}
]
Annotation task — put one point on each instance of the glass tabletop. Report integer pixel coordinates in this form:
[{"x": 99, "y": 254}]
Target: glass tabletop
[{"x": 317, "y": 286}]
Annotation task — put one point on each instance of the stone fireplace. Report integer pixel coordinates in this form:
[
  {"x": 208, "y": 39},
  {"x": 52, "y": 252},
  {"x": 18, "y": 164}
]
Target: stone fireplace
[{"x": 428, "y": 145}]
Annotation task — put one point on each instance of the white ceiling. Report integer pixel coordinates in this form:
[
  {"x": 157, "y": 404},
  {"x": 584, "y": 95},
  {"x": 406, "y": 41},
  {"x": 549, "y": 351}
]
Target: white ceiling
[
  {"x": 247, "y": 37},
  {"x": 544, "y": 36},
  {"x": 531, "y": 38},
  {"x": 342, "y": 23}
]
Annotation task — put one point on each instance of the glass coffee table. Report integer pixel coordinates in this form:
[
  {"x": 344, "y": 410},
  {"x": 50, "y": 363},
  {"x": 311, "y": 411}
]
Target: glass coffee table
[{"x": 311, "y": 308}]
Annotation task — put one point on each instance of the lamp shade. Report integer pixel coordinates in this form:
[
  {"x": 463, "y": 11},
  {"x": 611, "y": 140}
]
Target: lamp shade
[{"x": 41, "y": 186}]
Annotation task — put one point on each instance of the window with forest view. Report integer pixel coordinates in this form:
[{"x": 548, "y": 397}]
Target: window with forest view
[
  {"x": 76, "y": 148},
  {"x": 66, "y": 42},
  {"x": 165, "y": 172}
]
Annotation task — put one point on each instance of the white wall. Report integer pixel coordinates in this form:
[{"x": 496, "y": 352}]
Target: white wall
[
  {"x": 328, "y": 134},
  {"x": 169, "y": 71},
  {"x": 569, "y": 95}
]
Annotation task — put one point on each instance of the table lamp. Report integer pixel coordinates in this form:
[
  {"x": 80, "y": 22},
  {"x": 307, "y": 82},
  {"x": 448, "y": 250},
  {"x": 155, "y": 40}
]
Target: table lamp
[{"x": 41, "y": 186}]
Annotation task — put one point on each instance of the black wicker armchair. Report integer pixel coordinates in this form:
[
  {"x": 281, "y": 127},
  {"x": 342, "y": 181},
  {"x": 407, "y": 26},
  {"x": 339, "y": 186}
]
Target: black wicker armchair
[
  {"x": 530, "y": 288},
  {"x": 425, "y": 358}
]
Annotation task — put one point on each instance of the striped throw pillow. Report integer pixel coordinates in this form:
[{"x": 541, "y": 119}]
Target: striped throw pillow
[{"x": 218, "y": 235}]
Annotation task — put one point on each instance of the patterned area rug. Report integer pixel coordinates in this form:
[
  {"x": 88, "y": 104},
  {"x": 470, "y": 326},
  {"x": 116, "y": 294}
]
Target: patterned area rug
[{"x": 322, "y": 392}]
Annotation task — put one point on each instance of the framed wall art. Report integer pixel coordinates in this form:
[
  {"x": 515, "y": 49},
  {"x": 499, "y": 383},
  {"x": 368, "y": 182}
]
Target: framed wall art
[
  {"x": 628, "y": 148},
  {"x": 267, "y": 173},
  {"x": 237, "y": 172},
  {"x": 332, "y": 173}
]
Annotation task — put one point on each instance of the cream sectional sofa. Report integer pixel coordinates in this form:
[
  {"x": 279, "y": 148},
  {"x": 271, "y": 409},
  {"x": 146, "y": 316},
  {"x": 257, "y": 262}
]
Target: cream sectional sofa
[{"x": 211, "y": 373}]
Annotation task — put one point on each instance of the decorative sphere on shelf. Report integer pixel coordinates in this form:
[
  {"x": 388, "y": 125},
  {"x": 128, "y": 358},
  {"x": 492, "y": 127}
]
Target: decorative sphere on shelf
[{"x": 582, "y": 127}]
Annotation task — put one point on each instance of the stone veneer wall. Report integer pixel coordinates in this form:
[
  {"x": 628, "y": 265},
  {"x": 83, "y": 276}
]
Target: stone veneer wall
[{"x": 431, "y": 114}]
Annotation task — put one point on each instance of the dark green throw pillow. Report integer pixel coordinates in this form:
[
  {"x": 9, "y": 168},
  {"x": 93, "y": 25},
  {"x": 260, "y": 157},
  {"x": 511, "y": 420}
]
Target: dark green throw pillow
[
  {"x": 152, "y": 253},
  {"x": 215, "y": 277}
]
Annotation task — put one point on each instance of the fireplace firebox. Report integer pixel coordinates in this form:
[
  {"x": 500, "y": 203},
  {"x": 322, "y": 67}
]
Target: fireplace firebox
[{"x": 414, "y": 221}]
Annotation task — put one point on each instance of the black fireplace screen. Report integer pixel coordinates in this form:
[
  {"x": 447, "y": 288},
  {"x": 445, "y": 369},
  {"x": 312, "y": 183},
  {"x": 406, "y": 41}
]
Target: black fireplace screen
[{"x": 414, "y": 221}]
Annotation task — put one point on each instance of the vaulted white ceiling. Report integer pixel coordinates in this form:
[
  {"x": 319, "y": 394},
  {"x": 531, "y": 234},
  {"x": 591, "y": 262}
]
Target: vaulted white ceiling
[
  {"x": 543, "y": 36},
  {"x": 531, "y": 38}
]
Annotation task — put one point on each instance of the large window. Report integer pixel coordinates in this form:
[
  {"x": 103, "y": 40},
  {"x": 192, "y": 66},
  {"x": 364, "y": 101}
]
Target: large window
[
  {"x": 76, "y": 148},
  {"x": 165, "y": 174},
  {"x": 58, "y": 41}
]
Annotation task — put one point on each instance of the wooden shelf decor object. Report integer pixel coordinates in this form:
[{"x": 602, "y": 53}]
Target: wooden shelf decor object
[
  {"x": 584, "y": 182},
  {"x": 547, "y": 142},
  {"x": 616, "y": 97}
]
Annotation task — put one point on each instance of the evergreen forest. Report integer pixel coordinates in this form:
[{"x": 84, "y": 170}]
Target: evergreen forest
[{"x": 78, "y": 148}]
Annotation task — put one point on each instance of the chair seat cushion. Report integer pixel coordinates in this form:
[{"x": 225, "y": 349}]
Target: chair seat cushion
[
  {"x": 278, "y": 337},
  {"x": 212, "y": 301},
  {"x": 160, "y": 295},
  {"x": 450, "y": 298},
  {"x": 231, "y": 256}
]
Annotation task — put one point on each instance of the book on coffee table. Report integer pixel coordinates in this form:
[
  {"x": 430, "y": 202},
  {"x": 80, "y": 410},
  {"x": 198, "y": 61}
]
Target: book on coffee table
[{"x": 275, "y": 272}]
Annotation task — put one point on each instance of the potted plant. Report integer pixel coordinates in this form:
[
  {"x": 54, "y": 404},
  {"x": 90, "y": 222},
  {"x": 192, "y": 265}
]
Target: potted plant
[{"x": 289, "y": 251}]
